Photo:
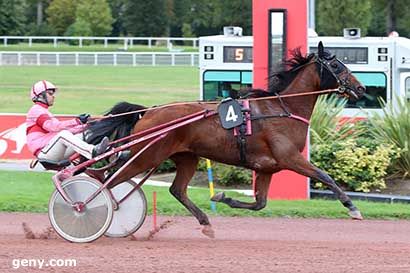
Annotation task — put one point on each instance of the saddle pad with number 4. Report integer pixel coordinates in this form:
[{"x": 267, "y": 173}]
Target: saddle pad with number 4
[{"x": 230, "y": 113}]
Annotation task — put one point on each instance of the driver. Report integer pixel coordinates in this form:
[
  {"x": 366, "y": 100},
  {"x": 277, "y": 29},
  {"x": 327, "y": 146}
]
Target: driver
[{"x": 51, "y": 139}]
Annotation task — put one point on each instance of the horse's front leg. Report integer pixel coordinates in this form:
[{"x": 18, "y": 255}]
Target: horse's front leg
[
  {"x": 261, "y": 187},
  {"x": 300, "y": 165}
]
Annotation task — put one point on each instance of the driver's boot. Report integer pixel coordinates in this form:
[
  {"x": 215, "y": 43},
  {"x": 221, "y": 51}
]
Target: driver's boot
[{"x": 101, "y": 147}]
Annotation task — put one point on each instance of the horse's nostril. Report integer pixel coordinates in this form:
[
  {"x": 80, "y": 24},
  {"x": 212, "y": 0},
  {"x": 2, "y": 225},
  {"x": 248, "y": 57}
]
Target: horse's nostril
[{"x": 361, "y": 89}]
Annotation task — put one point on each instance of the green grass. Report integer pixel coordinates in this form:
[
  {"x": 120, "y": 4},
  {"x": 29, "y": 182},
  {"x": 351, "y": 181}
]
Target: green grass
[
  {"x": 30, "y": 191},
  {"x": 95, "y": 89},
  {"x": 63, "y": 47}
]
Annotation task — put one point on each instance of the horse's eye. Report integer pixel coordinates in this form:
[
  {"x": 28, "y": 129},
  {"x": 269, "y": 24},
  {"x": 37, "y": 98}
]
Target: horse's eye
[{"x": 334, "y": 65}]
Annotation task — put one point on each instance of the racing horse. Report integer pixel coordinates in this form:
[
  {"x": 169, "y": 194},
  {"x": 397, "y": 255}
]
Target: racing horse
[{"x": 279, "y": 134}]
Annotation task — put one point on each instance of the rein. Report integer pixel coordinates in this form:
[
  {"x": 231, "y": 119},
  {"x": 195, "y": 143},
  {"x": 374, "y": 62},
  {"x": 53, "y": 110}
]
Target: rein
[{"x": 216, "y": 102}]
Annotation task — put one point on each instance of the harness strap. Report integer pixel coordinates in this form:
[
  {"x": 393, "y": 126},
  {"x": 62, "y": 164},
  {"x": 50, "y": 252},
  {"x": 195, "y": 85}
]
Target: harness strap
[
  {"x": 245, "y": 129},
  {"x": 247, "y": 119},
  {"x": 299, "y": 118},
  {"x": 282, "y": 115}
]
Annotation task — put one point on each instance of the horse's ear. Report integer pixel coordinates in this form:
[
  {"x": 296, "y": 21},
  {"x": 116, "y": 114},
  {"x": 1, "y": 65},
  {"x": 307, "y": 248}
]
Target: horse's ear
[{"x": 320, "y": 50}]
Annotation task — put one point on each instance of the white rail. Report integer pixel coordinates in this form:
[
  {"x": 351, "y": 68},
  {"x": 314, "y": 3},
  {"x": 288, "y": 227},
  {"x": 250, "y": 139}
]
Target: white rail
[
  {"x": 99, "y": 58},
  {"x": 126, "y": 41}
]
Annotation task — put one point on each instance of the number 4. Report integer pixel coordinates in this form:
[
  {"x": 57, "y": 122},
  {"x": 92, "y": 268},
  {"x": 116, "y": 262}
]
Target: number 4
[{"x": 231, "y": 115}]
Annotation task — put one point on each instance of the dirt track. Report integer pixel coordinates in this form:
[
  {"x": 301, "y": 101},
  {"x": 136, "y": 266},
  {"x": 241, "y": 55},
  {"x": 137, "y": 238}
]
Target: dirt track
[{"x": 241, "y": 245}]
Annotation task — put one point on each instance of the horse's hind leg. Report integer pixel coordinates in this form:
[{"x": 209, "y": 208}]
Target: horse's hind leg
[
  {"x": 186, "y": 166},
  {"x": 300, "y": 165},
  {"x": 261, "y": 187}
]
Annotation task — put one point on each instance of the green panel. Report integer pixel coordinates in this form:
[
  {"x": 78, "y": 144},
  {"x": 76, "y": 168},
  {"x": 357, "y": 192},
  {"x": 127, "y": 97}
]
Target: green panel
[
  {"x": 247, "y": 77},
  {"x": 371, "y": 78},
  {"x": 231, "y": 76}
]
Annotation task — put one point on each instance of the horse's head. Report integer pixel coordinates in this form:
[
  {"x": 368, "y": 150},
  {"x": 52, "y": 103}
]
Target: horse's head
[{"x": 334, "y": 73}]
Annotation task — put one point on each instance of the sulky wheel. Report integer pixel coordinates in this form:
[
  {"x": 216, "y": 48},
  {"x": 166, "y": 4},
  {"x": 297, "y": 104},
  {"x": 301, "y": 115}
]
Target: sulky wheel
[
  {"x": 94, "y": 218},
  {"x": 130, "y": 214}
]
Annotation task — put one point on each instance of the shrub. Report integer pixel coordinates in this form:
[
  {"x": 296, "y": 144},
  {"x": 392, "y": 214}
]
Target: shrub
[
  {"x": 358, "y": 165},
  {"x": 226, "y": 175},
  {"x": 347, "y": 150},
  {"x": 393, "y": 127},
  {"x": 323, "y": 122},
  {"x": 166, "y": 167},
  {"x": 326, "y": 123}
]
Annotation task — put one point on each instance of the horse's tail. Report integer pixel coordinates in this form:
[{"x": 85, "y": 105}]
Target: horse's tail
[{"x": 115, "y": 127}]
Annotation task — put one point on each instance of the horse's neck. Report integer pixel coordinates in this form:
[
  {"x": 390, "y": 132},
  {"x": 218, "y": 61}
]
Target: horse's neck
[{"x": 305, "y": 82}]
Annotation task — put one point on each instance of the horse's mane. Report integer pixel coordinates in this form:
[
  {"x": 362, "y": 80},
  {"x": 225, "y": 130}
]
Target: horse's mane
[
  {"x": 281, "y": 78},
  {"x": 115, "y": 127}
]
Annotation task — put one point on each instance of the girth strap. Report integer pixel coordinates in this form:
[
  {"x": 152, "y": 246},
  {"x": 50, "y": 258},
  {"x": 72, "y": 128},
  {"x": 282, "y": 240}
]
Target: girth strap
[{"x": 243, "y": 130}]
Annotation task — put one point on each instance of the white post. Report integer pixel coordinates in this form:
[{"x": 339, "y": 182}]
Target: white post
[
  {"x": 58, "y": 59},
  {"x": 125, "y": 44},
  {"x": 81, "y": 42},
  {"x": 95, "y": 59},
  {"x": 131, "y": 43},
  {"x": 1, "y": 59},
  {"x": 192, "y": 59},
  {"x": 172, "y": 59},
  {"x": 55, "y": 42},
  {"x": 105, "y": 43},
  {"x": 115, "y": 59},
  {"x": 134, "y": 59},
  {"x": 5, "y": 42},
  {"x": 149, "y": 42},
  {"x": 30, "y": 42},
  {"x": 153, "y": 59},
  {"x": 76, "y": 59}
]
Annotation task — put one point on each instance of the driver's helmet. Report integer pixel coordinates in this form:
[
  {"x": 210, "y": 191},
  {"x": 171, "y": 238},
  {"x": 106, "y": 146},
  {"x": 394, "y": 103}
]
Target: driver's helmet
[{"x": 36, "y": 92}]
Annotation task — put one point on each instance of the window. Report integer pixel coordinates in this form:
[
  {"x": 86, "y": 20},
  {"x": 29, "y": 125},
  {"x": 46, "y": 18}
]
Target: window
[
  {"x": 376, "y": 87},
  {"x": 407, "y": 88},
  {"x": 222, "y": 84},
  {"x": 277, "y": 37}
]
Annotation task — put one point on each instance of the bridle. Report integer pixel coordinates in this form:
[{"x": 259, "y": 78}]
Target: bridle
[{"x": 339, "y": 72}]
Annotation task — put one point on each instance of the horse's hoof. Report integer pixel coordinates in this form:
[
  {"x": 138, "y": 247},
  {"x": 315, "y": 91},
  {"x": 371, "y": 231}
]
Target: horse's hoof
[
  {"x": 356, "y": 215},
  {"x": 208, "y": 231},
  {"x": 218, "y": 197}
]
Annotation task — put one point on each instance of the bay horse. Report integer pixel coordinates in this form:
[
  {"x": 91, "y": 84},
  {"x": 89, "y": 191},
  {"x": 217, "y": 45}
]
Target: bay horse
[{"x": 276, "y": 143}]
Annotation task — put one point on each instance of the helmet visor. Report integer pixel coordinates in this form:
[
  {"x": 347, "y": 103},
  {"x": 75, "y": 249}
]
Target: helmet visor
[{"x": 51, "y": 92}]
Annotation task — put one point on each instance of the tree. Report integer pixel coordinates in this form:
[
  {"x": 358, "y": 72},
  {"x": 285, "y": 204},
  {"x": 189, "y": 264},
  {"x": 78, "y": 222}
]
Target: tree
[
  {"x": 117, "y": 12},
  {"x": 402, "y": 15},
  {"x": 61, "y": 14},
  {"x": 97, "y": 14},
  {"x": 12, "y": 17},
  {"x": 334, "y": 15},
  {"x": 378, "y": 23},
  {"x": 205, "y": 17},
  {"x": 79, "y": 28},
  {"x": 237, "y": 13},
  {"x": 388, "y": 16},
  {"x": 178, "y": 16},
  {"x": 146, "y": 18}
]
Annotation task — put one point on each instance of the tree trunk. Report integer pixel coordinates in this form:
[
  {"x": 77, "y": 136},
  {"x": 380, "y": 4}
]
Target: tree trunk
[
  {"x": 391, "y": 16},
  {"x": 39, "y": 12}
]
